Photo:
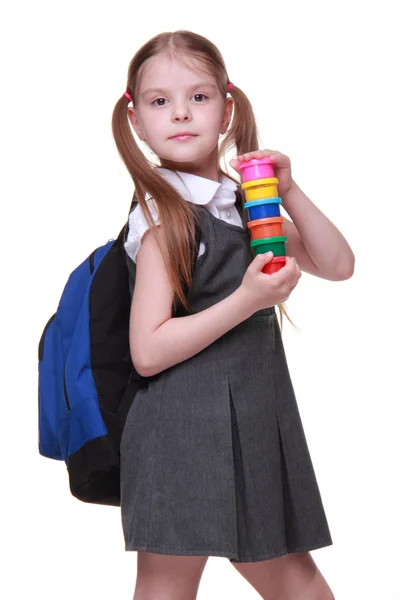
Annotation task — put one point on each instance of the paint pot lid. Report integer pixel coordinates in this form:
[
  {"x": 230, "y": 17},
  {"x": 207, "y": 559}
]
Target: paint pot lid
[{"x": 255, "y": 161}]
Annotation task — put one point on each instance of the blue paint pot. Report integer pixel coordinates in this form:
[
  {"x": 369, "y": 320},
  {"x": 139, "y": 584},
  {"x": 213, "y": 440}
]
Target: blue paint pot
[{"x": 264, "y": 208}]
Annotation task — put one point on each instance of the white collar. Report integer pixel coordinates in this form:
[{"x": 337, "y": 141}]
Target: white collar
[{"x": 199, "y": 190}]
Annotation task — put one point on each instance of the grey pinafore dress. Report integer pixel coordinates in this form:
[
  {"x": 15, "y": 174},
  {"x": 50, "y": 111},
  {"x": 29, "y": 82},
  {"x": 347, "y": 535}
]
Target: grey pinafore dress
[{"x": 214, "y": 459}]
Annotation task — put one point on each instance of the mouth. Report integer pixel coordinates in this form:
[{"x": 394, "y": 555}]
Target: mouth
[{"x": 183, "y": 135}]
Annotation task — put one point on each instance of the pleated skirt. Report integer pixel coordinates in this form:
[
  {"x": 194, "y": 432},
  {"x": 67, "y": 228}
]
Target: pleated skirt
[{"x": 214, "y": 458}]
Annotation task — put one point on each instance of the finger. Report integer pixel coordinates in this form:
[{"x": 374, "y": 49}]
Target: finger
[
  {"x": 290, "y": 264},
  {"x": 256, "y": 154},
  {"x": 295, "y": 263},
  {"x": 250, "y": 155},
  {"x": 235, "y": 164},
  {"x": 296, "y": 280},
  {"x": 263, "y": 259},
  {"x": 298, "y": 270},
  {"x": 280, "y": 159},
  {"x": 266, "y": 153},
  {"x": 289, "y": 273}
]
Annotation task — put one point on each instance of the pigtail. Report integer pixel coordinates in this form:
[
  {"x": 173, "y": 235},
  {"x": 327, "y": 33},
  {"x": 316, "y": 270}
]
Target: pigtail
[
  {"x": 244, "y": 137},
  {"x": 242, "y": 133},
  {"x": 176, "y": 241}
]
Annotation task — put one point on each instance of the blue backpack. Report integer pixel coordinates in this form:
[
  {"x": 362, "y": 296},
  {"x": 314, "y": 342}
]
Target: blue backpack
[{"x": 86, "y": 379}]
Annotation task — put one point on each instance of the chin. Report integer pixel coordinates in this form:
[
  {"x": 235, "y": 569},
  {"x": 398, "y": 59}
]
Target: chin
[{"x": 182, "y": 157}]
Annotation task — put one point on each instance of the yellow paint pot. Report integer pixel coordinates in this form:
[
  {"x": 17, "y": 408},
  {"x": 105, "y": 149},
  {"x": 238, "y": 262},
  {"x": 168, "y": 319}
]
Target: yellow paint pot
[{"x": 257, "y": 189}]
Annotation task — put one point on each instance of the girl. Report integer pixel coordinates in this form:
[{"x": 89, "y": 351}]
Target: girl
[{"x": 214, "y": 461}]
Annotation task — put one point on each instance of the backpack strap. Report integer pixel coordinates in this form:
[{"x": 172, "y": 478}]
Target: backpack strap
[{"x": 239, "y": 204}]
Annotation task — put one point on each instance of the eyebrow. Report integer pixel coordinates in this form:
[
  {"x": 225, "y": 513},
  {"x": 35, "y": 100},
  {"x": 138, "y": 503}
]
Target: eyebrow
[{"x": 192, "y": 87}]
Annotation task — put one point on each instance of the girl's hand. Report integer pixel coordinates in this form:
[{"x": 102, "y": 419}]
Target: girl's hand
[
  {"x": 262, "y": 290},
  {"x": 281, "y": 164}
]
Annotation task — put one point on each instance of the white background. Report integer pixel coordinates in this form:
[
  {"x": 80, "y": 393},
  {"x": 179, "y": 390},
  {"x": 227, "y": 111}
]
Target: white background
[{"x": 322, "y": 77}]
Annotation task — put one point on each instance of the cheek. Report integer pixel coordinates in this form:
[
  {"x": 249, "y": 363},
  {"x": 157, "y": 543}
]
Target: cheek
[
  {"x": 154, "y": 127},
  {"x": 213, "y": 120},
  {"x": 213, "y": 127}
]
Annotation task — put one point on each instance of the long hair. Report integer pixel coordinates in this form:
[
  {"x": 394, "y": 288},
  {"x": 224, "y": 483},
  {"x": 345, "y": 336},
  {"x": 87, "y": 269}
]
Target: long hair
[{"x": 177, "y": 240}]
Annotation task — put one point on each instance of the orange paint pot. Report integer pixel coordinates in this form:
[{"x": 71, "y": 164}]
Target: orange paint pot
[
  {"x": 274, "y": 265},
  {"x": 265, "y": 228}
]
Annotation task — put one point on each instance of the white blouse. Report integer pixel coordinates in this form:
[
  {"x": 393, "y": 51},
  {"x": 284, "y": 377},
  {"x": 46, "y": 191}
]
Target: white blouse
[{"x": 218, "y": 197}]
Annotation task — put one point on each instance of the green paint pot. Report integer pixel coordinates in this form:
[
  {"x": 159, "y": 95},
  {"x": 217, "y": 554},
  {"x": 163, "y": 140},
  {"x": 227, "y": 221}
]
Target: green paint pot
[{"x": 277, "y": 245}]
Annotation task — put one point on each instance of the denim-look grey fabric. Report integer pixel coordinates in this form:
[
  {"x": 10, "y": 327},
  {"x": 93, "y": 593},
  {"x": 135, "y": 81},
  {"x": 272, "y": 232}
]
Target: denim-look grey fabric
[{"x": 214, "y": 459}]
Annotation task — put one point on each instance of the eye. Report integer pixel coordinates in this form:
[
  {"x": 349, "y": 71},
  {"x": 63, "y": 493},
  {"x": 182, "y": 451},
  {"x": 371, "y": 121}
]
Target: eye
[
  {"x": 197, "y": 95},
  {"x": 157, "y": 100}
]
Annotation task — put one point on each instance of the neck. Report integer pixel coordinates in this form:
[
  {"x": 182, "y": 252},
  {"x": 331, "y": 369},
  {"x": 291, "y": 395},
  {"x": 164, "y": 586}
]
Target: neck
[{"x": 208, "y": 169}]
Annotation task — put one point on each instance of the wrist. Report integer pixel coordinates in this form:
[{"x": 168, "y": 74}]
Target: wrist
[
  {"x": 246, "y": 301},
  {"x": 287, "y": 196}
]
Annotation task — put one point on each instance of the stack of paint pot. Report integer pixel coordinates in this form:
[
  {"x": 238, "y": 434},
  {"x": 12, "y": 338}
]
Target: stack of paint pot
[{"x": 263, "y": 205}]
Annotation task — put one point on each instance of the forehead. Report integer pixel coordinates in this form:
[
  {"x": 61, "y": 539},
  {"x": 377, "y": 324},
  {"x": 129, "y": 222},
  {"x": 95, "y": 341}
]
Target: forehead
[{"x": 163, "y": 70}]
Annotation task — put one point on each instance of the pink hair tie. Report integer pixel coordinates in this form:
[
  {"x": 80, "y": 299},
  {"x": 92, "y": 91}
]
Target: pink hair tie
[
  {"x": 229, "y": 86},
  {"x": 128, "y": 96}
]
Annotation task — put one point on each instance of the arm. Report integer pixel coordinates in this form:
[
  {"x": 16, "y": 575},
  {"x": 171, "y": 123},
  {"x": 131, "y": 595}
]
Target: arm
[
  {"x": 312, "y": 239},
  {"x": 158, "y": 341},
  {"x": 317, "y": 245}
]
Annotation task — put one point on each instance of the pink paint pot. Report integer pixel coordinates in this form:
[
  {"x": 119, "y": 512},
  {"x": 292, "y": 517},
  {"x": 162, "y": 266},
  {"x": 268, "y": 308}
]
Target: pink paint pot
[{"x": 257, "y": 168}]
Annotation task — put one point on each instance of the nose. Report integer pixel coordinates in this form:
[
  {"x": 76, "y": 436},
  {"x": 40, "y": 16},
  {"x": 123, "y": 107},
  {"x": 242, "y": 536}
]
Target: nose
[{"x": 181, "y": 112}]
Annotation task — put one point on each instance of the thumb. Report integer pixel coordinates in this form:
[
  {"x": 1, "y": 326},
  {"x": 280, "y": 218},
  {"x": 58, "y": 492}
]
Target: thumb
[
  {"x": 263, "y": 259},
  {"x": 235, "y": 165}
]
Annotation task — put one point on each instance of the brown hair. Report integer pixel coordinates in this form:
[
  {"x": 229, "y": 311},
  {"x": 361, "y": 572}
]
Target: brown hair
[{"x": 178, "y": 239}]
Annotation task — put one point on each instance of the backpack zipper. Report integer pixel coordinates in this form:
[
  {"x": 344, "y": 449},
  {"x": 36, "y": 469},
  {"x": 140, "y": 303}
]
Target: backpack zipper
[
  {"x": 65, "y": 391},
  {"x": 67, "y": 402}
]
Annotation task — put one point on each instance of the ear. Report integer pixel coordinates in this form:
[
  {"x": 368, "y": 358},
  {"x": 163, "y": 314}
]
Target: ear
[
  {"x": 135, "y": 123},
  {"x": 227, "y": 115}
]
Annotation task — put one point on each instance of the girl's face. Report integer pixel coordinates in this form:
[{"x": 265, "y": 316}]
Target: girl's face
[{"x": 174, "y": 99}]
